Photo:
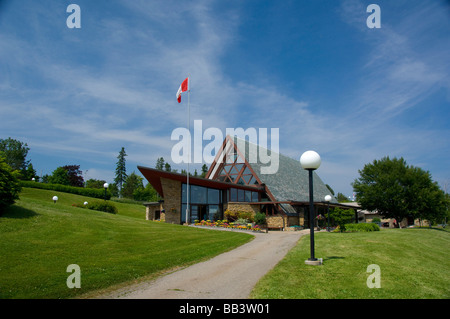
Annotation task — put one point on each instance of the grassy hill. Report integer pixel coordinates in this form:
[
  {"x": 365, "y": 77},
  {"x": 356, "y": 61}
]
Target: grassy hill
[
  {"x": 40, "y": 239},
  {"x": 413, "y": 263}
]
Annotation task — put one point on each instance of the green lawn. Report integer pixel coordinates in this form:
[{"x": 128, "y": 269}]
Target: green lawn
[
  {"x": 39, "y": 239},
  {"x": 414, "y": 264}
]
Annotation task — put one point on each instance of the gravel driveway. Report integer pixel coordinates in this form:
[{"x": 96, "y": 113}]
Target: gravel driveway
[{"x": 231, "y": 275}]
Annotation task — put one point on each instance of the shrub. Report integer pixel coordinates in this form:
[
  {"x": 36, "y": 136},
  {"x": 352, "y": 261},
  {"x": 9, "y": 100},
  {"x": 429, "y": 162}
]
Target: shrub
[
  {"x": 103, "y": 206},
  {"x": 233, "y": 216},
  {"x": 260, "y": 219},
  {"x": 9, "y": 185},
  {"x": 363, "y": 227}
]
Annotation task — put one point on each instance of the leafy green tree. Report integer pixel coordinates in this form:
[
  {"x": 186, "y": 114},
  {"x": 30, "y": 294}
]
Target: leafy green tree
[
  {"x": 95, "y": 183},
  {"x": 167, "y": 167},
  {"x": 132, "y": 183},
  {"x": 14, "y": 153},
  {"x": 121, "y": 171},
  {"x": 29, "y": 173},
  {"x": 148, "y": 194},
  {"x": 397, "y": 190},
  {"x": 9, "y": 185},
  {"x": 59, "y": 176},
  {"x": 341, "y": 198}
]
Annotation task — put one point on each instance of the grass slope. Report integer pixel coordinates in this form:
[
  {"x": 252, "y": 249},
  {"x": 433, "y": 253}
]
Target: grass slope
[
  {"x": 39, "y": 239},
  {"x": 414, "y": 264}
]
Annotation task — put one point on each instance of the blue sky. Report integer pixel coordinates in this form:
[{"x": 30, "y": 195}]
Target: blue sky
[{"x": 313, "y": 69}]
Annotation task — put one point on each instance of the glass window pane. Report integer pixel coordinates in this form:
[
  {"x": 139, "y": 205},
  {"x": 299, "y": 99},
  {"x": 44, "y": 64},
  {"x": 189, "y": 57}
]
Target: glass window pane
[
  {"x": 213, "y": 212},
  {"x": 239, "y": 167},
  {"x": 233, "y": 195},
  {"x": 241, "y": 181},
  {"x": 194, "y": 213},
  {"x": 255, "y": 197},
  {"x": 247, "y": 178},
  {"x": 183, "y": 213},
  {"x": 241, "y": 197},
  {"x": 248, "y": 196},
  {"x": 198, "y": 194},
  {"x": 184, "y": 193},
  {"x": 247, "y": 171},
  {"x": 213, "y": 196}
]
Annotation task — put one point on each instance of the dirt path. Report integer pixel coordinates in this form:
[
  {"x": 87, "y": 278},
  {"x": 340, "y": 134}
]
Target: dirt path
[{"x": 231, "y": 275}]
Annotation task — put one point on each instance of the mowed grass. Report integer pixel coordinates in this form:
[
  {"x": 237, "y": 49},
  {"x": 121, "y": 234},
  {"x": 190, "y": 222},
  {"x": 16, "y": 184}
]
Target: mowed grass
[
  {"x": 40, "y": 239},
  {"x": 414, "y": 264}
]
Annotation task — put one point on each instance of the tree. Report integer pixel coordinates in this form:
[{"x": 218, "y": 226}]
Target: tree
[
  {"x": 9, "y": 185},
  {"x": 30, "y": 173},
  {"x": 160, "y": 163},
  {"x": 132, "y": 183},
  {"x": 397, "y": 190},
  {"x": 167, "y": 167},
  {"x": 341, "y": 217},
  {"x": 121, "y": 171},
  {"x": 95, "y": 183},
  {"x": 75, "y": 175},
  {"x": 14, "y": 153},
  {"x": 204, "y": 171},
  {"x": 341, "y": 198},
  {"x": 59, "y": 176},
  {"x": 146, "y": 194}
]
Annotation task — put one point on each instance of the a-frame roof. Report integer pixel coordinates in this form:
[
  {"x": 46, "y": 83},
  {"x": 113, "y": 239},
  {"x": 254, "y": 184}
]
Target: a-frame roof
[{"x": 289, "y": 184}]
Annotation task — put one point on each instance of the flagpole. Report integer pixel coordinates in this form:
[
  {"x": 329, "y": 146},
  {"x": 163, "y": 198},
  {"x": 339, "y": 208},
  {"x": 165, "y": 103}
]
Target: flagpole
[{"x": 189, "y": 151}]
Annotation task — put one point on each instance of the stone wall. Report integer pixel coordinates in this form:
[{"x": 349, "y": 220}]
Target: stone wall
[
  {"x": 172, "y": 201},
  {"x": 243, "y": 207}
]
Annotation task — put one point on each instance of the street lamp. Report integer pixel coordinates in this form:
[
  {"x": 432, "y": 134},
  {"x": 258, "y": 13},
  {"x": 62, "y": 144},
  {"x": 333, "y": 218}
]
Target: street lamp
[
  {"x": 311, "y": 161},
  {"x": 55, "y": 198},
  {"x": 105, "y": 186},
  {"x": 328, "y": 200}
]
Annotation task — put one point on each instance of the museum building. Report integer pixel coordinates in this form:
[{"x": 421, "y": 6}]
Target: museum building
[{"x": 236, "y": 182}]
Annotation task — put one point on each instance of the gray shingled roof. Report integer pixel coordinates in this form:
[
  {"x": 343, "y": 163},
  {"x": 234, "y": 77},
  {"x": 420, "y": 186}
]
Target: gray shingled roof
[{"x": 291, "y": 182}]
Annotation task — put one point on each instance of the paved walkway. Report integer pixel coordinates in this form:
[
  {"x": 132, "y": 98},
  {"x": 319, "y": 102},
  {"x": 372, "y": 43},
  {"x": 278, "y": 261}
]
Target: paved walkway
[{"x": 231, "y": 275}]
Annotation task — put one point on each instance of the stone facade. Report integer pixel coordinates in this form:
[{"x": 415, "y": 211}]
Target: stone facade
[
  {"x": 150, "y": 210},
  {"x": 242, "y": 207},
  {"x": 172, "y": 201}
]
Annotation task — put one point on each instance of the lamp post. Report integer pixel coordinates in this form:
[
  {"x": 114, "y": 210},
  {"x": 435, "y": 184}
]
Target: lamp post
[
  {"x": 105, "y": 186},
  {"x": 311, "y": 161},
  {"x": 55, "y": 198},
  {"x": 328, "y": 200}
]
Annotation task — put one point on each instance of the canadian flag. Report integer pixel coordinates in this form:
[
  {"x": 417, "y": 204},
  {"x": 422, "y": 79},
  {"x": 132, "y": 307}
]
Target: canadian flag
[{"x": 183, "y": 88}]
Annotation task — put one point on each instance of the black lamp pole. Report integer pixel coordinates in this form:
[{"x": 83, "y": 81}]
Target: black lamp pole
[{"x": 311, "y": 213}]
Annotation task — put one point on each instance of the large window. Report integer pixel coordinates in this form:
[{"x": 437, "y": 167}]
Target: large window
[
  {"x": 205, "y": 203},
  {"x": 241, "y": 195}
]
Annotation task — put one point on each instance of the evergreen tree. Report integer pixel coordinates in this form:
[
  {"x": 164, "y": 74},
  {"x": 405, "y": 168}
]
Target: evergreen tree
[
  {"x": 121, "y": 171},
  {"x": 204, "y": 170},
  {"x": 160, "y": 163}
]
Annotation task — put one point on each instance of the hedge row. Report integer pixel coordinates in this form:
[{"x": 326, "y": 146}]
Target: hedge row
[{"x": 89, "y": 192}]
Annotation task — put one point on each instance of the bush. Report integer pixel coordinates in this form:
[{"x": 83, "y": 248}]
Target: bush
[
  {"x": 89, "y": 192},
  {"x": 260, "y": 219},
  {"x": 103, "y": 206},
  {"x": 9, "y": 185},
  {"x": 233, "y": 216},
  {"x": 363, "y": 227}
]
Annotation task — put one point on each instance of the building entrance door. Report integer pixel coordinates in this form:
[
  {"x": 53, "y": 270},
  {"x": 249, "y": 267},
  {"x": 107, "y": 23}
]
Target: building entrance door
[{"x": 199, "y": 212}]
